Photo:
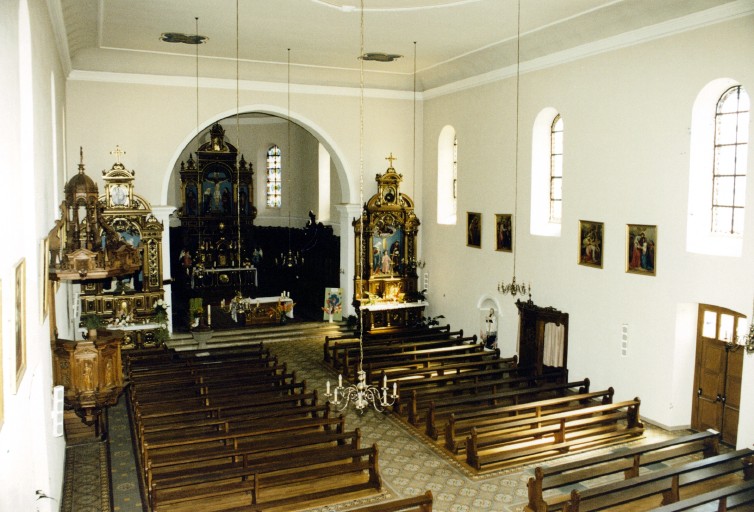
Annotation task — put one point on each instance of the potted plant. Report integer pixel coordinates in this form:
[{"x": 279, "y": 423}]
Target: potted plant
[
  {"x": 160, "y": 312},
  {"x": 91, "y": 322}
]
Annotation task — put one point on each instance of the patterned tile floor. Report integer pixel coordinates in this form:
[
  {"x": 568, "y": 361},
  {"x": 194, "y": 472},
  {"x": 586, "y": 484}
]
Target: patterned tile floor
[{"x": 408, "y": 464}]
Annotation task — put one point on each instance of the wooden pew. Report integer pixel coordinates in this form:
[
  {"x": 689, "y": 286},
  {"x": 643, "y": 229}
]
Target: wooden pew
[
  {"x": 554, "y": 434},
  {"x": 664, "y": 484},
  {"x": 459, "y": 425},
  {"x": 421, "y": 503},
  {"x": 626, "y": 460},
  {"x": 334, "y": 345},
  {"x": 441, "y": 408},
  {"x": 343, "y": 356},
  {"x": 412, "y": 357},
  {"x": 731, "y": 497},
  {"x": 431, "y": 363},
  {"x": 449, "y": 366},
  {"x": 207, "y": 451},
  {"x": 266, "y": 482}
]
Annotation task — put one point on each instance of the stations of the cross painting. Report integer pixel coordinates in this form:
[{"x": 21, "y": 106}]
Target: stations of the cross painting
[
  {"x": 118, "y": 153},
  {"x": 390, "y": 159}
]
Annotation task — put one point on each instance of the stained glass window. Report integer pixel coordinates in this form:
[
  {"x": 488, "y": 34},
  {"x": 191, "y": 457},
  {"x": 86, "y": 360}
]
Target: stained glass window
[{"x": 274, "y": 178}]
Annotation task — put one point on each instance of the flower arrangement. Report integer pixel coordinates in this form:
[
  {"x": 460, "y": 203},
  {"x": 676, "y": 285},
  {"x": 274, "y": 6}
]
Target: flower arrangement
[
  {"x": 332, "y": 309},
  {"x": 160, "y": 312}
]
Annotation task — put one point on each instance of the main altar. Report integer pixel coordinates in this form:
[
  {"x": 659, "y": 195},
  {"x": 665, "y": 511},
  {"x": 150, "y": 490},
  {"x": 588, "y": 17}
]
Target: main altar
[{"x": 386, "y": 281}]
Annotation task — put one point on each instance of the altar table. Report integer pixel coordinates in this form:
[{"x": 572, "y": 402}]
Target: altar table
[{"x": 387, "y": 315}]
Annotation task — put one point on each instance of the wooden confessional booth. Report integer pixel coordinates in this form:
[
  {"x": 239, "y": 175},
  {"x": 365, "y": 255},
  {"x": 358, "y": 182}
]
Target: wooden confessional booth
[{"x": 543, "y": 340}]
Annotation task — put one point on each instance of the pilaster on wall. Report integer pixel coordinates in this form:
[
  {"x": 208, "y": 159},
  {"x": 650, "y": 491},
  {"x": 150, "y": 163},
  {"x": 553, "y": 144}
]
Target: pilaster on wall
[
  {"x": 162, "y": 213},
  {"x": 348, "y": 213}
]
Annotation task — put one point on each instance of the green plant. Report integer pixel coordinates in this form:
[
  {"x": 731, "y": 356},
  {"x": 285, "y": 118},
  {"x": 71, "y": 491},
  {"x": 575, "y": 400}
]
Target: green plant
[
  {"x": 91, "y": 321},
  {"x": 161, "y": 335}
]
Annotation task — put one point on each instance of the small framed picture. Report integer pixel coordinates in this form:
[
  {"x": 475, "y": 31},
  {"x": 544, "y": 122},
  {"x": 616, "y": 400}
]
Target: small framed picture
[
  {"x": 591, "y": 238},
  {"x": 641, "y": 249},
  {"x": 504, "y": 232},
  {"x": 474, "y": 229}
]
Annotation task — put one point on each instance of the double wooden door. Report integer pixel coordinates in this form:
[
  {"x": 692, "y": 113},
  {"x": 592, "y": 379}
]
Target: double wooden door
[{"x": 718, "y": 371}]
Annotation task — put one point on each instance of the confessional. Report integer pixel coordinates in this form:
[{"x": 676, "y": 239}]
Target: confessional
[
  {"x": 386, "y": 282},
  {"x": 543, "y": 339}
]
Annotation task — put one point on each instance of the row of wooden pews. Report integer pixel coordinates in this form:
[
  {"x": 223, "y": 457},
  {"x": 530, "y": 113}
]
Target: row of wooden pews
[
  {"x": 233, "y": 429},
  {"x": 484, "y": 407},
  {"x": 675, "y": 474}
]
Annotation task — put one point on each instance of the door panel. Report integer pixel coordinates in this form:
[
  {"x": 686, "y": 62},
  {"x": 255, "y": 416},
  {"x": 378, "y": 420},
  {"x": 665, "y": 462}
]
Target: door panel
[{"x": 717, "y": 374}]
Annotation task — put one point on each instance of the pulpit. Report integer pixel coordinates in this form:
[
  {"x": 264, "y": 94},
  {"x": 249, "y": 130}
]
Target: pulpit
[{"x": 92, "y": 375}]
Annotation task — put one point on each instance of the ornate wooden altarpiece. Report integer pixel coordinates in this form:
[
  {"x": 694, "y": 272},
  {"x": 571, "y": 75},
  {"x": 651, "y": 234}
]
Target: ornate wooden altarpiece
[
  {"x": 130, "y": 216},
  {"x": 385, "y": 281},
  {"x": 217, "y": 215}
]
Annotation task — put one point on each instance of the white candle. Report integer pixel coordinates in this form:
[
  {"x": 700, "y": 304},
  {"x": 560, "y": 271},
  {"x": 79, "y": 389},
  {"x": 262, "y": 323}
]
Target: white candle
[
  {"x": 384, "y": 381},
  {"x": 395, "y": 389},
  {"x": 336, "y": 396},
  {"x": 209, "y": 314},
  {"x": 340, "y": 380},
  {"x": 328, "y": 387}
]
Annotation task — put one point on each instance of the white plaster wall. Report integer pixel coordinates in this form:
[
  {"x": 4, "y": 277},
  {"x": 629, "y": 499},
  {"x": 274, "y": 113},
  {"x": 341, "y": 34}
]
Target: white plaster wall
[
  {"x": 31, "y": 459},
  {"x": 627, "y": 119}
]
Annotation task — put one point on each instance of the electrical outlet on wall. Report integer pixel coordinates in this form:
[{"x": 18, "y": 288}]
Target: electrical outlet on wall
[{"x": 624, "y": 340}]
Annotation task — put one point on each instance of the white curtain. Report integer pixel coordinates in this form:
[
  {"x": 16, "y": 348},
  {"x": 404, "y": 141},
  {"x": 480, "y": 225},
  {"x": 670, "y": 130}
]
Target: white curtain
[{"x": 553, "y": 345}]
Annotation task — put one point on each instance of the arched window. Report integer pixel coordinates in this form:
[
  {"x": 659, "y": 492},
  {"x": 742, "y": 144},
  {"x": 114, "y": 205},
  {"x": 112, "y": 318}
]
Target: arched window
[
  {"x": 274, "y": 178},
  {"x": 556, "y": 169},
  {"x": 717, "y": 169},
  {"x": 447, "y": 176},
  {"x": 729, "y": 169},
  {"x": 547, "y": 173}
]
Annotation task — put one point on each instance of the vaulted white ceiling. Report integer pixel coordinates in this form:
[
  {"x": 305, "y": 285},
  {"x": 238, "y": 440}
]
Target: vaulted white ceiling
[{"x": 456, "y": 40}]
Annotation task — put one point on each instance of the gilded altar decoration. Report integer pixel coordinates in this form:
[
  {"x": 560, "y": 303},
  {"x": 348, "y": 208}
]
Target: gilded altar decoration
[{"x": 386, "y": 262}]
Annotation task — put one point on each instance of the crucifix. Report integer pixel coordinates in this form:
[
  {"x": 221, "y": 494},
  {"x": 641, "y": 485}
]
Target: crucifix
[
  {"x": 391, "y": 158},
  {"x": 118, "y": 153}
]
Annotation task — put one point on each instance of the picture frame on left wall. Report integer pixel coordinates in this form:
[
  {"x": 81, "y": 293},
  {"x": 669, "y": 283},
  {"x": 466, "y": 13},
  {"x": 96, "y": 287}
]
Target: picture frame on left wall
[
  {"x": 591, "y": 243},
  {"x": 474, "y": 229},
  {"x": 20, "y": 323}
]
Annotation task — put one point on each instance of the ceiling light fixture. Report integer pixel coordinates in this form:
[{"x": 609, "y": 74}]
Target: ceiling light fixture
[
  {"x": 361, "y": 394},
  {"x": 512, "y": 287},
  {"x": 177, "y": 37},
  {"x": 380, "y": 56}
]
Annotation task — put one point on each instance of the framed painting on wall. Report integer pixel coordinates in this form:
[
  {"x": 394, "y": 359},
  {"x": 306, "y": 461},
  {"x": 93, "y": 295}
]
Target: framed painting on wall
[
  {"x": 20, "y": 323},
  {"x": 44, "y": 279},
  {"x": 591, "y": 238},
  {"x": 504, "y": 232},
  {"x": 333, "y": 307},
  {"x": 641, "y": 249},
  {"x": 474, "y": 229}
]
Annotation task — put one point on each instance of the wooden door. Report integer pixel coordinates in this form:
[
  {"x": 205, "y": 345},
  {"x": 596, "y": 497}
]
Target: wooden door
[{"x": 718, "y": 370}]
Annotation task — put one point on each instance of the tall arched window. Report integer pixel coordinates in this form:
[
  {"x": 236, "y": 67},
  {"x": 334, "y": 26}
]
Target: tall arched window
[
  {"x": 547, "y": 173},
  {"x": 556, "y": 169},
  {"x": 274, "y": 178},
  {"x": 729, "y": 169},
  {"x": 447, "y": 176},
  {"x": 717, "y": 169}
]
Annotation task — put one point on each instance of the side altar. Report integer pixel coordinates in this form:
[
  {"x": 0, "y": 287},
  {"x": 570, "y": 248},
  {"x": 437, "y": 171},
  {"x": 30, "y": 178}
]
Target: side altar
[{"x": 386, "y": 282}]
